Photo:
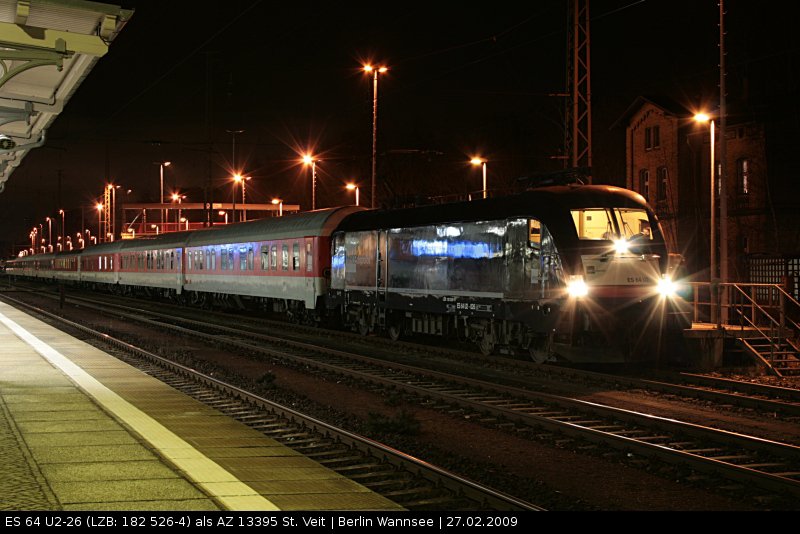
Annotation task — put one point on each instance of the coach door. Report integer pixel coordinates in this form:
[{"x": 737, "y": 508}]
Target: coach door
[
  {"x": 381, "y": 275},
  {"x": 310, "y": 274}
]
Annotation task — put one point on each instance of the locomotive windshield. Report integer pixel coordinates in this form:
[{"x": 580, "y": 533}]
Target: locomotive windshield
[{"x": 612, "y": 223}]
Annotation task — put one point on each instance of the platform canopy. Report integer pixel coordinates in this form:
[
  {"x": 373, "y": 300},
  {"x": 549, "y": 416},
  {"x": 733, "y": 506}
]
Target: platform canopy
[{"x": 47, "y": 48}]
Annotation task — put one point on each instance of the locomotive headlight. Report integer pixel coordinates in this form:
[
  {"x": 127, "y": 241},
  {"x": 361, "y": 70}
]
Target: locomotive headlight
[
  {"x": 666, "y": 287},
  {"x": 621, "y": 246},
  {"x": 576, "y": 287}
]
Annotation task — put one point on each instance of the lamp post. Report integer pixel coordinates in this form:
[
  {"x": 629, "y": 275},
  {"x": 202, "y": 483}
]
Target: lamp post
[
  {"x": 703, "y": 118},
  {"x": 225, "y": 213},
  {"x": 353, "y": 187},
  {"x": 238, "y": 178},
  {"x": 63, "y": 233},
  {"x": 481, "y": 162},
  {"x": 369, "y": 69},
  {"x": 278, "y": 202},
  {"x": 99, "y": 208},
  {"x": 308, "y": 159},
  {"x": 244, "y": 199},
  {"x": 177, "y": 197},
  {"x": 49, "y": 234},
  {"x": 162, "y": 164},
  {"x": 236, "y": 175}
]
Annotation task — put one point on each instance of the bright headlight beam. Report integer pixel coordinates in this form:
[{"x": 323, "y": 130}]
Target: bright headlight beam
[
  {"x": 621, "y": 246},
  {"x": 666, "y": 287},
  {"x": 577, "y": 288}
]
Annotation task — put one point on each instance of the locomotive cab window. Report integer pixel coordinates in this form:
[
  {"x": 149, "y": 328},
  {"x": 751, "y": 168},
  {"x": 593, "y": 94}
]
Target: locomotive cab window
[
  {"x": 534, "y": 233},
  {"x": 594, "y": 223},
  {"x": 612, "y": 223},
  {"x": 635, "y": 224}
]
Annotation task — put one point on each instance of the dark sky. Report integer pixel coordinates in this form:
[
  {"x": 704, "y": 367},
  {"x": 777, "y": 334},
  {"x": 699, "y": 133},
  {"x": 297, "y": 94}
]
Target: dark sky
[{"x": 463, "y": 80}]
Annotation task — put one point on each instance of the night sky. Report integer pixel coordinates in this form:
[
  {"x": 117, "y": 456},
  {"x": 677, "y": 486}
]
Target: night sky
[{"x": 463, "y": 81}]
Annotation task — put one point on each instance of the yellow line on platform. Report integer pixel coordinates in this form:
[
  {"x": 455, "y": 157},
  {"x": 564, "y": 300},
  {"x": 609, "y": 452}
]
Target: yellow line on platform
[{"x": 204, "y": 472}]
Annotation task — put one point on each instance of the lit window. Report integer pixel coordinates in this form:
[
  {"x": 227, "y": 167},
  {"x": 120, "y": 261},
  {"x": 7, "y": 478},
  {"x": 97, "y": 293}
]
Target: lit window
[
  {"x": 743, "y": 176},
  {"x": 644, "y": 183},
  {"x": 661, "y": 185}
]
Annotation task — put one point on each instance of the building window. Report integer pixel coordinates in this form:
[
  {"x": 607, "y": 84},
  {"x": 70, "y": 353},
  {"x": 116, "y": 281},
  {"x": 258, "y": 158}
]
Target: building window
[
  {"x": 644, "y": 183},
  {"x": 743, "y": 176},
  {"x": 661, "y": 185},
  {"x": 652, "y": 137}
]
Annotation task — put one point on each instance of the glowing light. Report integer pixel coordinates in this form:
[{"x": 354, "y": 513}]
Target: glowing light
[
  {"x": 702, "y": 117},
  {"x": 666, "y": 287},
  {"x": 576, "y": 287},
  {"x": 621, "y": 246},
  {"x": 308, "y": 159}
]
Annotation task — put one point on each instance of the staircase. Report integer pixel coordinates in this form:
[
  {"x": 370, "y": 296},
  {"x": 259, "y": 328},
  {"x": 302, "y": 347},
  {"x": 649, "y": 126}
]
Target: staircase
[
  {"x": 768, "y": 331},
  {"x": 780, "y": 355}
]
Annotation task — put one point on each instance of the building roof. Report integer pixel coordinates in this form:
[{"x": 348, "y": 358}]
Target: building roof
[
  {"x": 47, "y": 48},
  {"x": 669, "y": 106}
]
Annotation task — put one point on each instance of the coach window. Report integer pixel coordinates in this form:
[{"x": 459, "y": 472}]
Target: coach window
[
  {"x": 274, "y": 255},
  {"x": 264, "y": 256},
  {"x": 242, "y": 259},
  {"x": 309, "y": 258},
  {"x": 285, "y": 257},
  {"x": 230, "y": 259},
  {"x": 200, "y": 259},
  {"x": 251, "y": 260},
  {"x": 295, "y": 256}
]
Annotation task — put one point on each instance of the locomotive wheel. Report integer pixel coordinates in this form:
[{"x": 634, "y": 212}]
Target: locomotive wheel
[
  {"x": 538, "y": 355},
  {"x": 394, "y": 331},
  {"x": 486, "y": 345},
  {"x": 363, "y": 327}
]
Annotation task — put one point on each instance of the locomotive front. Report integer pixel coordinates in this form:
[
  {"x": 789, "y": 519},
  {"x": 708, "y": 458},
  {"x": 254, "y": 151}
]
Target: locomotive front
[
  {"x": 577, "y": 273},
  {"x": 622, "y": 297}
]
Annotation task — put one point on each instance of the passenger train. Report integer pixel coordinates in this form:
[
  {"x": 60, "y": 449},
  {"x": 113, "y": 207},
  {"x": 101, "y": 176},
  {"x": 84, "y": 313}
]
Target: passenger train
[{"x": 579, "y": 273}]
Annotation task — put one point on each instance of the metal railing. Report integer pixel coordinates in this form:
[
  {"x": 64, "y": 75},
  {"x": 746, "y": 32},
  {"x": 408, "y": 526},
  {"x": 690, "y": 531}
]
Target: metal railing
[{"x": 767, "y": 310}]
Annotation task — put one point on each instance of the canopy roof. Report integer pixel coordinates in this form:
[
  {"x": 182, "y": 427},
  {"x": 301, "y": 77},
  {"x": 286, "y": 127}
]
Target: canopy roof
[{"x": 47, "y": 48}]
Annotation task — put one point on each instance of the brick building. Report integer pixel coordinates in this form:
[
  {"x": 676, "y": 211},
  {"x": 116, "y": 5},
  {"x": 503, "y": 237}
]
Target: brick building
[{"x": 668, "y": 162}]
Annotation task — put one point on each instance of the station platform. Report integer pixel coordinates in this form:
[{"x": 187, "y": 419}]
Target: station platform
[{"x": 81, "y": 430}]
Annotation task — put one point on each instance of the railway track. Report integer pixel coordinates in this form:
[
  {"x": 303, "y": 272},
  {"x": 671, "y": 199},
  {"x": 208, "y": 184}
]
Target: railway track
[
  {"x": 763, "y": 398},
  {"x": 412, "y": 483},
  {"x": 752, "y": 461}
]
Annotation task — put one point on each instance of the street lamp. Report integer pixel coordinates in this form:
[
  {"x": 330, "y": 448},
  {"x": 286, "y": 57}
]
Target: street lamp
[
  {"x": 352, "y": 187},
  {"x": 278, "y": 202},
  {"x": 177, "y": 197},
  {"x": 481, "y": 162},
  {"x": 162, "y": 164},
  {"x": 225, "y": 213},
  {"x": 705, "y": 118},
  {"x": 238, "y": 178},
  {"x": 99, "y": 208},
  {"x": 49, "y": 234},
  {"x": 63, "y": 233},
  {"x": 308, "y": 159},
  {"x": 369, "y": 69}
]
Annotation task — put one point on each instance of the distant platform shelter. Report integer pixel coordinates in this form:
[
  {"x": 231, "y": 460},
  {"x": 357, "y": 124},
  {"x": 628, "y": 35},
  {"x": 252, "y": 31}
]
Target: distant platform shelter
[{"x": 153, "y": 219}]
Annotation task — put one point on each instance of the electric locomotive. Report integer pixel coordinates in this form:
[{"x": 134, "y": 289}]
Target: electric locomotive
[{"x": 574, "y": 272}]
